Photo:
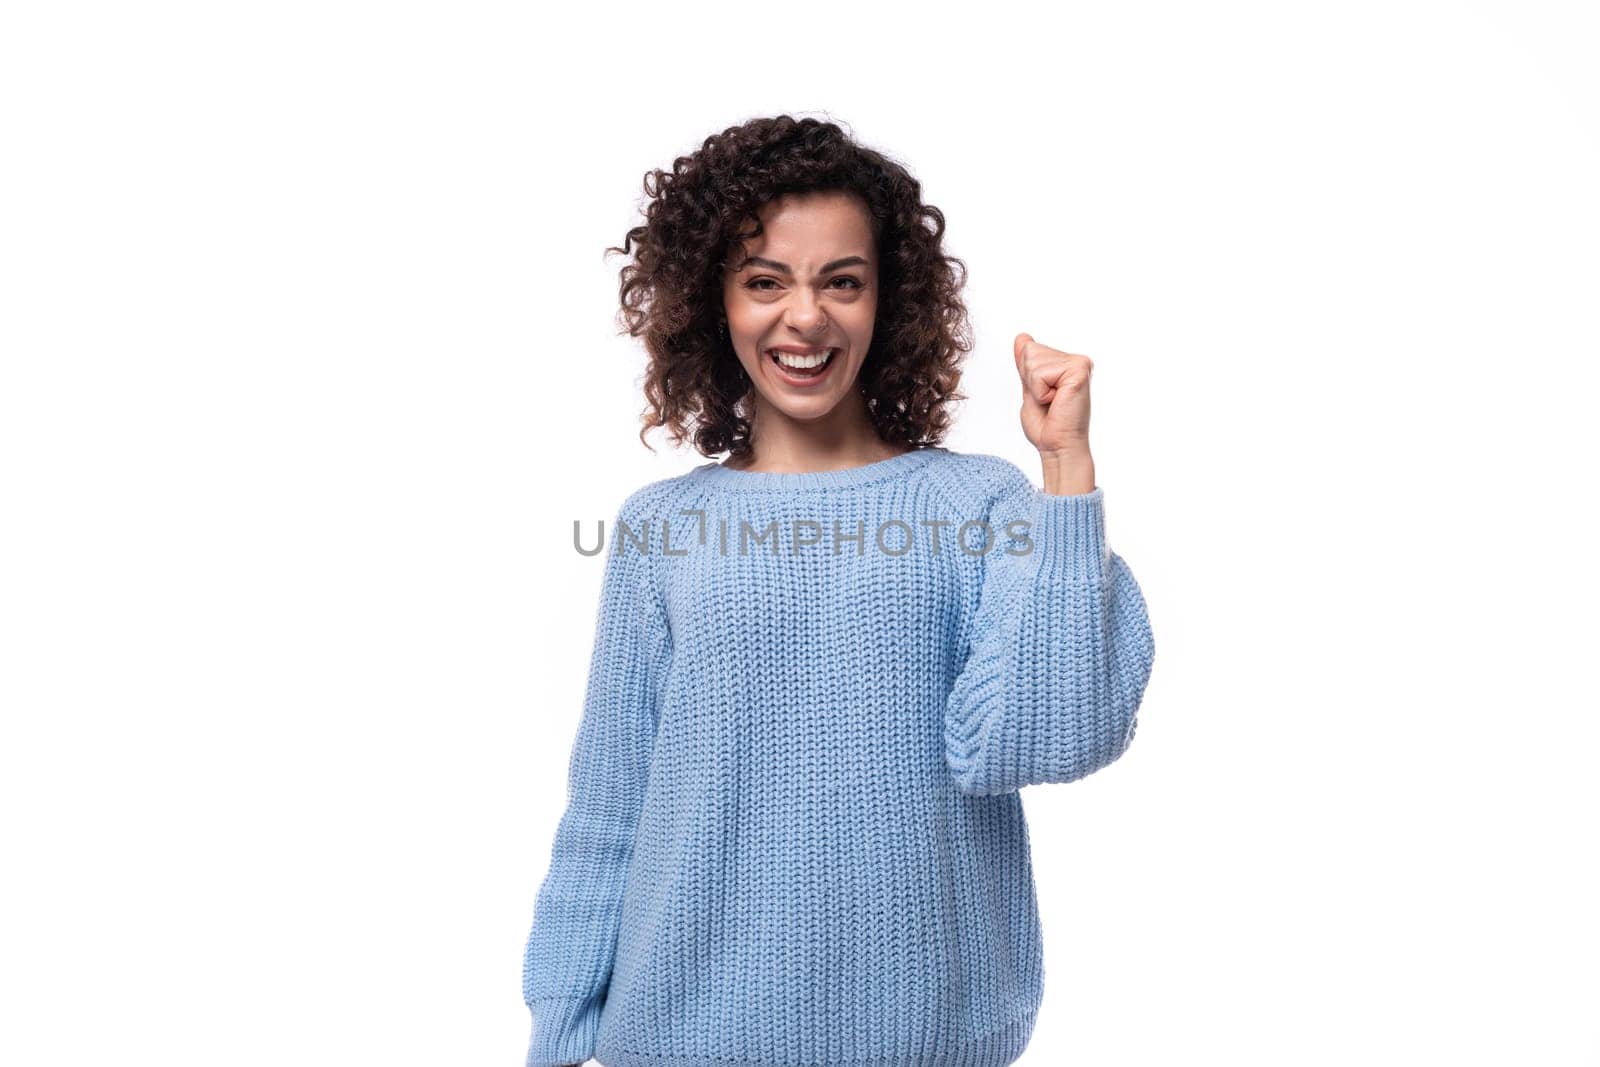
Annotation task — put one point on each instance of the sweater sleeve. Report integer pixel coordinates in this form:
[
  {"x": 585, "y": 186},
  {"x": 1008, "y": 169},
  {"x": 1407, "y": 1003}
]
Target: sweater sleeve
[
  {"x": 1059, "y": 648},
  {"x": 572, "y": 944}
]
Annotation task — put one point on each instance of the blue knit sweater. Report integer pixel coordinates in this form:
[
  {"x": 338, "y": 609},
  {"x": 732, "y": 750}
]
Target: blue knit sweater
[{"x": 793, "y": 834}]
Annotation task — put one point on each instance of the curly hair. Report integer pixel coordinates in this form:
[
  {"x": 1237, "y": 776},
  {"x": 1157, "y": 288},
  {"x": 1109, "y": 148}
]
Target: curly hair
[{"x": 671, "y": 292}]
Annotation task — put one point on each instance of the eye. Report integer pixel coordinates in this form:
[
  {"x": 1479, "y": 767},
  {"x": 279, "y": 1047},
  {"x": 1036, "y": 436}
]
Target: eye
[{"x": 756, "y": 284}]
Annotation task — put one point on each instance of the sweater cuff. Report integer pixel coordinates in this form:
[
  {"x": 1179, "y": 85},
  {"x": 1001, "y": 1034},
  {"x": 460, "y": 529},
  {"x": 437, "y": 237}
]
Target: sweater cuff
[
  {"x": 564, "y": 1030},
  {"x": 1069, "y": 533}
]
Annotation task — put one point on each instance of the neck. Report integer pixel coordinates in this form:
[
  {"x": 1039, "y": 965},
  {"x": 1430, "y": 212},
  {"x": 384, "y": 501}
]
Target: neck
[{"x": 842, "y": 438}]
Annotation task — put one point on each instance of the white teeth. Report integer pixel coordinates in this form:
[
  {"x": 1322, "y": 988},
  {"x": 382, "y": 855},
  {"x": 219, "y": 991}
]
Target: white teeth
[{"x": 794, "y": 359}]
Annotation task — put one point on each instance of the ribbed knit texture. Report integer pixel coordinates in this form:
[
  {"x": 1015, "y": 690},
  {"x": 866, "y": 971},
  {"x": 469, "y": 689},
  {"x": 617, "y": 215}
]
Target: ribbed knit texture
[{"x": 793, "y": 834}]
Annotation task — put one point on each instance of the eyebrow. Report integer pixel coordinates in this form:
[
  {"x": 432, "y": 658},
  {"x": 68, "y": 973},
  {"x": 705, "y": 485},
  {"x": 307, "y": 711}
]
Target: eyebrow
[{"x": 772, "y": 264}]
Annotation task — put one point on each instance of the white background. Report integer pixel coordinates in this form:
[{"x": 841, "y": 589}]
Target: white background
[{"x": 310, "y": 363}]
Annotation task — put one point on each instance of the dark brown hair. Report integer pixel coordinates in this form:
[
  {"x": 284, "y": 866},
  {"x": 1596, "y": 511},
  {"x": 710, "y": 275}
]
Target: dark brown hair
[{"x": 697, "y": 214}]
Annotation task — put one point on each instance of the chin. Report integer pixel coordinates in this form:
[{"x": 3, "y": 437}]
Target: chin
[{"x": 812, "y": 412}]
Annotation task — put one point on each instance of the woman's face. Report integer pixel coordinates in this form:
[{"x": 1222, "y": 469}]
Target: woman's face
[{"x": 808, "y": 283}]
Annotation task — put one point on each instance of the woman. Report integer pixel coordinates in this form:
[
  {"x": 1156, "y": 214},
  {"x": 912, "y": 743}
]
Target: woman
[{"x": 824, "y": 667}]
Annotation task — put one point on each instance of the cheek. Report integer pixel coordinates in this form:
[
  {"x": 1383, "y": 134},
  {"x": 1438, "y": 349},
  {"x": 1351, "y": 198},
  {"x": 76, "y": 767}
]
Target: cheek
[
  {"x": 742, "y": 318},
  {"x": 864, "y": 319}
]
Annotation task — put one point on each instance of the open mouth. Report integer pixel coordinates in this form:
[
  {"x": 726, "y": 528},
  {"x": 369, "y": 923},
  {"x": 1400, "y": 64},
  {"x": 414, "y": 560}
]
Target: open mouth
[{"x": 802, "y": 368}]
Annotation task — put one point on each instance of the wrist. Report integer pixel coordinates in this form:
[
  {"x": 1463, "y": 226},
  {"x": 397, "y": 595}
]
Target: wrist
[{"x": 1069, "y": 470}]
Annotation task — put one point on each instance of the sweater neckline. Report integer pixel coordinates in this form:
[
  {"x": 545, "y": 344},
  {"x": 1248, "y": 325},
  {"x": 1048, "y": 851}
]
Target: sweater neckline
[{"x": 788, "y": 481}]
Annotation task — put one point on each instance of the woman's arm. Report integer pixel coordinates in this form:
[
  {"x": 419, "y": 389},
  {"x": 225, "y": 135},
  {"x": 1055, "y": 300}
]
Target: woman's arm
[
  {"x": 570, "y": 949},
  {"x": 1060, "y": 648}
]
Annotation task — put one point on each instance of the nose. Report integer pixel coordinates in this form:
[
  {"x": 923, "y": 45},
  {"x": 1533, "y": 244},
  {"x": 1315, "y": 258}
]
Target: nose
[{"x": 805, "y": 316}]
